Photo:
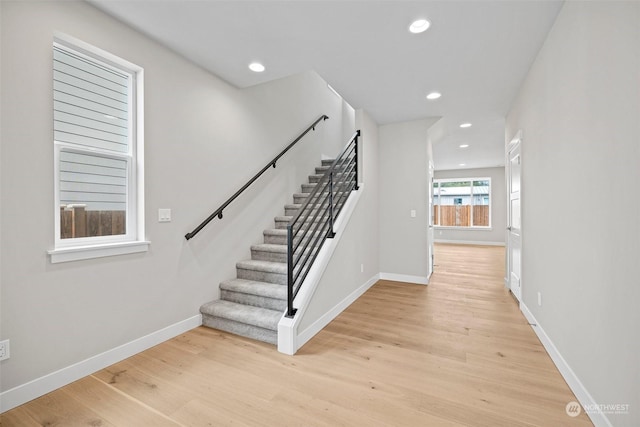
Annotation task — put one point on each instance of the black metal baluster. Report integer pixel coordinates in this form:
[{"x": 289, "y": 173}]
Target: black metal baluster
[
  {"x": 290, "y": 310},
  {"x": 332, "y": 233},
  {"x": 356, "y": 159}
]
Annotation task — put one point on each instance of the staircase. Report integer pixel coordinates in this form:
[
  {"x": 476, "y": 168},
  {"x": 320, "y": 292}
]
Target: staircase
[{"x": 252, "y": 304}]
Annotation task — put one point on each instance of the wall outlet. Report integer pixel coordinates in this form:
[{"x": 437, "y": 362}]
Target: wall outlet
[
  {"x": 539, "y": 298},
  {"x": 361, "y": 268},
  {"x": 4, "y": 350},
  {"x": 413, "y": 213}
]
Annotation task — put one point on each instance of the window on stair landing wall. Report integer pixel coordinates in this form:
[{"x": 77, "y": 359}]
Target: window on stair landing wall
[
  {"x": 98, "y": 141},
  {"x": 462, "y": 202}
]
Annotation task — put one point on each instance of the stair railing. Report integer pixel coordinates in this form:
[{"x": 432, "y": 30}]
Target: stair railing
[
  {"x": 272, "y": 163},
  {"x": 314, "y": 221}
]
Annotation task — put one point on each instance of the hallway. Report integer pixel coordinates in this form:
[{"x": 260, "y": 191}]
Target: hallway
[{"x": 455, "y": 353}]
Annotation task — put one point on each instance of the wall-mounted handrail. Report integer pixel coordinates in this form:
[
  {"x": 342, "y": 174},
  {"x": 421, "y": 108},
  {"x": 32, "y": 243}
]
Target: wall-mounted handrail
[
  {"x": 313, "y": 223},
  {"x": 272, "y": 163}
]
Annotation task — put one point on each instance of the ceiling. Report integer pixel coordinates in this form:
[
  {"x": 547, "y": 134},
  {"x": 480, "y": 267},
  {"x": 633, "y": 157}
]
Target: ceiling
[{"x": 476, "y": 53}]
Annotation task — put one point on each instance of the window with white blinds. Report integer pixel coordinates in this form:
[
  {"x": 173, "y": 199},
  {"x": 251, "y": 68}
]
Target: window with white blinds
[{"x": 95, "y": 142}]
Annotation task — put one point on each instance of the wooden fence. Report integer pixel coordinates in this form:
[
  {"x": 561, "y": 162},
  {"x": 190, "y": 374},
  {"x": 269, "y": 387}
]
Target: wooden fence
[
  {"x": 460, "y": 216},
  {"x": 78, "y": 222}
]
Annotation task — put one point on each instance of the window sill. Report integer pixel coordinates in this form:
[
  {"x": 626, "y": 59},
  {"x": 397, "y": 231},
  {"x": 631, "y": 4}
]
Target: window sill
[
  {"x": 78, "y": 253},
  {"x": 438, "y": 227}
]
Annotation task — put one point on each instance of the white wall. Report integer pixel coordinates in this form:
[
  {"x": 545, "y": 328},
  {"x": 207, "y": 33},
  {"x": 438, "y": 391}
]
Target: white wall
[
  {"x": 579, "y": 110},
  {"x": 204, "y": 138},
  {"x": 404, "y": 160},
  {"x": 359, "y": 245},
  {"x": 496, "y": 234}
]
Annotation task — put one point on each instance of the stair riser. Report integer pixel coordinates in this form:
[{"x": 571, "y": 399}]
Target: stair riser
[
  {"x": 281, "y": 225},
  {"x": 262, "y": 276},
  {"x": 294, "y": 211},
  {"x": 275, "y": 240},
  {"x": 279, "y": 240},
  {"x": 307, "y": 188},
  {"x": 254, "y": 300},
  {"x": 249, "y": 331},
  {"x": 322, "y": 169},
  {"x": 299, "y": 199},
  {"x": 269, "y": 256}
]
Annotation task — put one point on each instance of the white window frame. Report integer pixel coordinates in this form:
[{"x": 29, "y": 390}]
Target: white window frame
[
  {"x": 79, "y": 248},
  {"x": 458, "y": 227}
]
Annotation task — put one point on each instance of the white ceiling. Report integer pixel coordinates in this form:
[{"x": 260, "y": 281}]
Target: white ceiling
[{"x": 476, "y": 54}]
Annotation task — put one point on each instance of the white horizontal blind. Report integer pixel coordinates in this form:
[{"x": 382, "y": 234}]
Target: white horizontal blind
[
  {"x": 93, "y": 116},
  {"x": 98, "y": 182},
  {"x": 91, "y": 103}
]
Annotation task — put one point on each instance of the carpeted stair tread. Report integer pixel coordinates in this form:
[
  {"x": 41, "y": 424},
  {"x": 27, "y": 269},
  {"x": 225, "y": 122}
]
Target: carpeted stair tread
[
  {"x": 241, "y": 313},
  {"x": 269, "y": 252},
  {"x": 264, "y": 266},
  {"x": 269, "y": 247},
  {"x": 254, "y": 287},
  {"x": 287, "y": 218}
]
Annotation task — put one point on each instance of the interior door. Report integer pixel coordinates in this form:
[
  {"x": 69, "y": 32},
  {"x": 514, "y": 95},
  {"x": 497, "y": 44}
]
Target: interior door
[
  {"x": 430, "y": 234},
  {"x": 514, "y": 223}
]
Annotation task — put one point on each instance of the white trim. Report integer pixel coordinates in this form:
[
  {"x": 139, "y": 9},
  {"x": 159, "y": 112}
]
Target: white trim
[
  {"x": 43, "y": 385},
  {"x": 323, "y": 321},
  {"x": 584, "y": 397},
  {"x": 420, "y": 280},
  {"x": 288, "y": 328},
  {"x": 98, "y": 251},
  {"x": 133, "y": 240},
  {"x": 470, "y": 242}
]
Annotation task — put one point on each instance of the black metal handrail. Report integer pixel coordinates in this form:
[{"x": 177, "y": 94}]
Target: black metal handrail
[
  {"x": 313, "y": 223},
  {"x": 272, "y": 163}
]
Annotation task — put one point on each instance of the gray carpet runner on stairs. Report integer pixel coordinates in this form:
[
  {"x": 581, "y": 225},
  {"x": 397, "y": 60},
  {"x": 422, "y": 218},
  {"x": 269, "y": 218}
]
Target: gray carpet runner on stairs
[{"x": 252, "y": 304}]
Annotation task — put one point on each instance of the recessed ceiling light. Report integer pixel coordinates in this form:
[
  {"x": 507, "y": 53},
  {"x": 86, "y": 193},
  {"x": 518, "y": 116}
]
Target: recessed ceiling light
[
  {"x": 464, "y": 145},
  {"x": 463, "y": 164},
  {"x": 419, "y": 26},
  {"x": 256, "y": 67},
  {"x": 465, "y": 125},
  {"x": 434, "y": 95}
]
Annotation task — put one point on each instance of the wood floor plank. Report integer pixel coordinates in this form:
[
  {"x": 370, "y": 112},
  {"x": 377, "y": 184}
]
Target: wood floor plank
[{"x": 457, "y": 352}]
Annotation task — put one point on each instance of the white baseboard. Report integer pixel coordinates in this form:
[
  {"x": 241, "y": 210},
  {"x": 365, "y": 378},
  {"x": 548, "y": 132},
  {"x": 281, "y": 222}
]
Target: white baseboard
[
  {"x": 469, "y": 242},
  {"x": 43, "y": 385},
  {"x": 420, "y": 280},
  {"x": 584, "y": 397},
  {"x": 323, "y": 321}
]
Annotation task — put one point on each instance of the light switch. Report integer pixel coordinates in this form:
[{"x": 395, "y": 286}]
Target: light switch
[
  {"x": 164, "y": 215},
  {"x": 413, "y": 213}
]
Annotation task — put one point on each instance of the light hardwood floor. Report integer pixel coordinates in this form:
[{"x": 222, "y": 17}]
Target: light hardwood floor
[{"x": 455, "y": 353}]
